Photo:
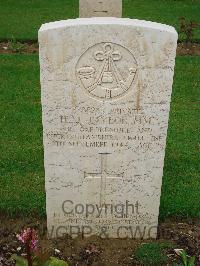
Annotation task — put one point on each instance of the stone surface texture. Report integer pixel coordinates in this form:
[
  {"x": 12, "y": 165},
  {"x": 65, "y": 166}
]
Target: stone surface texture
[
  {"x": 106, "y": 91},
  {"x": 100, "y": 8}
]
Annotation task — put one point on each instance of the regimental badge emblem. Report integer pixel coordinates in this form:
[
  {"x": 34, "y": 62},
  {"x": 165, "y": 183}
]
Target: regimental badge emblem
[{"x": 107, "y": 71}]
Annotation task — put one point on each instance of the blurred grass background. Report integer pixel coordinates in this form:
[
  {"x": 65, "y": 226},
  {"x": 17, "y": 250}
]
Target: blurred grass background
[{"x": 21, "y": 19}]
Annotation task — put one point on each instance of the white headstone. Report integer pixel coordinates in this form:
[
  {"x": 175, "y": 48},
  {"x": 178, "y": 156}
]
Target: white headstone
[
  {"x": 100, "y": 8},
  {"x": 106, "y": 91}
]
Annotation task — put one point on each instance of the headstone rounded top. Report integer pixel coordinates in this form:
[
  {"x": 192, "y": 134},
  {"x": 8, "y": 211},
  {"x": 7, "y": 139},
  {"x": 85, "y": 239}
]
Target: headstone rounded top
[{"x": 105, "y": 21}]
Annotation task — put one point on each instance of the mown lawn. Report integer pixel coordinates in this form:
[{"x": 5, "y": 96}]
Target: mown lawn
[
  {"x": 22, "y": 173},
  {"x": 21, "y": 19}
]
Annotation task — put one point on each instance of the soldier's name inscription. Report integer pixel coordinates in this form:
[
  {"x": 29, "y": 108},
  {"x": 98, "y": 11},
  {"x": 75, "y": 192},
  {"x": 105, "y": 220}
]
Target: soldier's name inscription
[{"x": 120, "y": 128}]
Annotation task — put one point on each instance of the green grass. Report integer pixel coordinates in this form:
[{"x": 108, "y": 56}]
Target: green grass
[
  {"x": 21, "y": 19},
  {"x": 181, "y": 182},
  {"x": 22, "y": 174},
  {"x": 152, "y": 253}
]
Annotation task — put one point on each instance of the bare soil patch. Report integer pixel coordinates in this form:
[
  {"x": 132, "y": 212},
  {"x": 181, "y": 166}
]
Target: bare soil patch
[
  {"x": 19, "y": 48},
  {"x": 188, "y": 49},
  {"x": 33, "y": 47},
  {"x": 94, "y": 250}
]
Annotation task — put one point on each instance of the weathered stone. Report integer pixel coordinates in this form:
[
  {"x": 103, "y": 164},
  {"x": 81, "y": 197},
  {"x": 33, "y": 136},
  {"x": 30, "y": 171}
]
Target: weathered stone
[
  {"x": 106, "y": 91},
  {"x": 100, "y": 8}
]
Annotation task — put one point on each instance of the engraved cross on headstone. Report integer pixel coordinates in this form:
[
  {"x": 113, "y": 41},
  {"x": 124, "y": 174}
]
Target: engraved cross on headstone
[{"x": 103, "y": 176}]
